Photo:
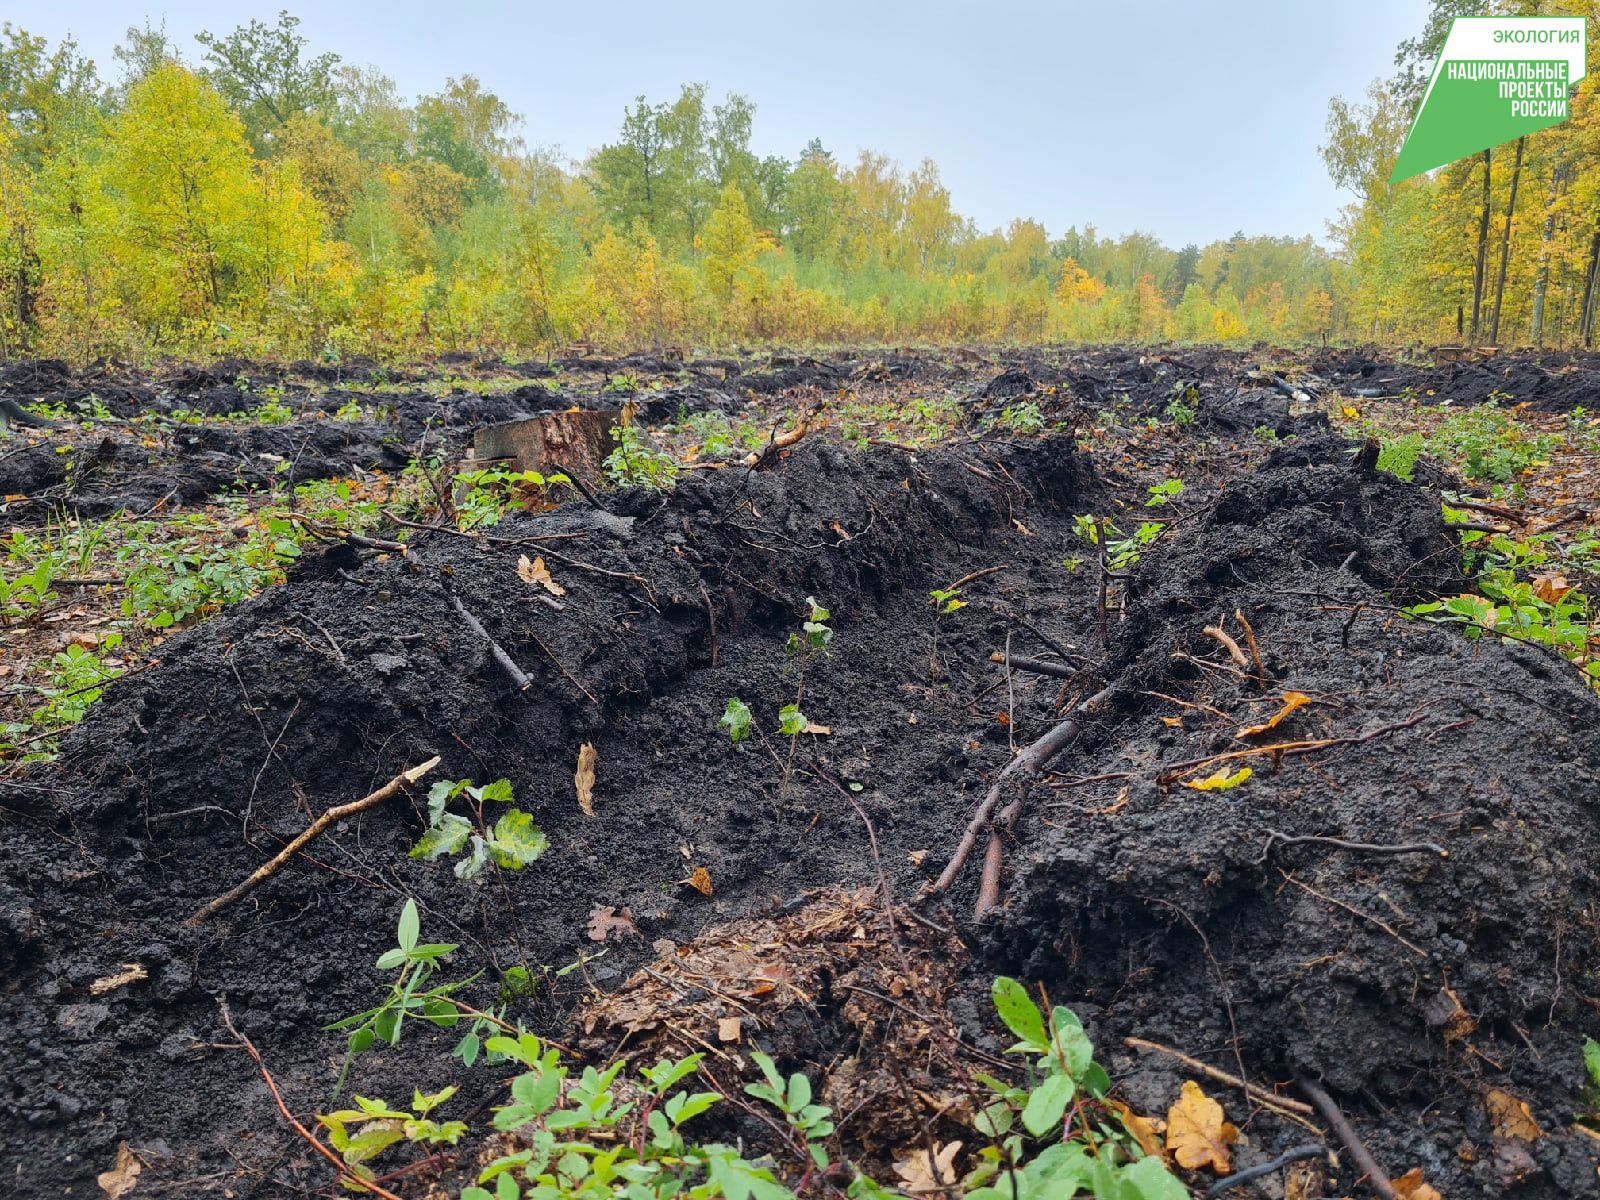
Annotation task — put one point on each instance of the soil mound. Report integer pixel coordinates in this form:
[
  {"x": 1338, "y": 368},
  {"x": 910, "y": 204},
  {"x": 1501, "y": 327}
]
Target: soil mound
[{"x": 1194, "y": 917}]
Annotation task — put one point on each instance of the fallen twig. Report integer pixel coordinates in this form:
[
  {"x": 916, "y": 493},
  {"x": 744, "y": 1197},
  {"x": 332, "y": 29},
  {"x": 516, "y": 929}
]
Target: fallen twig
[
  {"x": 1239, "y": 1178},
  {"x": 974, "y": 577},
  {"x": 1356, "y": 912},
  {"x": 496, "y": 650},
  {"x": 1024, "y": 765},
  {"x": 1228, "y": 644},
  {"x": 1293, "y": 1110},
  {"x": 782, "y": 441},
  {"x": 337, "y": 813},
  {"x": 1274, "y": 838},
  {"x": 346, "y": 1176},
  {"x": 1036, "y": 665},
  {"x": 323, "y": 533},
  {"x": 1178, "y": 770},
  {"x": 1255, "y": 649},
  {"x": 1341, "y": 1127}
]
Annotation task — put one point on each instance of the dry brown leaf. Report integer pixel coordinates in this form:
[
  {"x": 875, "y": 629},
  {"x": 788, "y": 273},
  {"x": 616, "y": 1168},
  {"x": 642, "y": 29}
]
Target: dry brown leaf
[
  {"x": 1511, "y": 1118},
  {"x": 1551, "y": 586},
  {"x": 1291, "y": 702},
  {"x": 583, "y": 778},
  {"x": 1172, "y": 722},
  {"x": 700, "y": 880},
  {"x": 1196, "y": 1133},
  {"x": 606, "y": 919},
  {"x": 922, "y": 1173},
  {"x": 130, "y": 973},
  {"x": 536, "y": 572},
  {"x": 1145, "y": 1130},
  {"x": 915, "y": 857},
  {"x": 1021, "y": 528},
  {"x": 120, "y": 1179},
  {"x": 729, "y": 1029},
  {"x": 819, "y": 730},
  {"x": 1445, "y": 1013},
  {"x": 1411, "y": 1186}
]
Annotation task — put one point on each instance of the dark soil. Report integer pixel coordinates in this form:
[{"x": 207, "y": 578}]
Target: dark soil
[{"x": 1154, "y": 909}]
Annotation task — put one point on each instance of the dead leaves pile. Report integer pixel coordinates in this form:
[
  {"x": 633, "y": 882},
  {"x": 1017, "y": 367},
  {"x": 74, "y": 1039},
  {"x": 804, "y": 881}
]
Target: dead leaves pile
[{"x": 764, "y": 976}]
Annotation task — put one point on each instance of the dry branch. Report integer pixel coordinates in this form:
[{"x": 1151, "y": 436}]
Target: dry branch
[
  {"x": 1240, "y": 659},
  {"x": 312, "y": 831},
  {"x": 1292, "y": 1110},
  {"x": 496, "y": 651},
  {"x": 1330, "y": 1113},
  {"x": 1025, "y": 765},
  {"x": 1036, "y": 665}
]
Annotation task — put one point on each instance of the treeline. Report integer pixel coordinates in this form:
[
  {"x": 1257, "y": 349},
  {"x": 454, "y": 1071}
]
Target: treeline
[
  {"x": 261, "y": 199},
  {"x": 1499, "y": 248}
]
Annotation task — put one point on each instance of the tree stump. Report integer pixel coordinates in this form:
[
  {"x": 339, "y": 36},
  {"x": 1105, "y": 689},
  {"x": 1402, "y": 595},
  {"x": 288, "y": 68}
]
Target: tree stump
[{"x": 574, "y": 443}]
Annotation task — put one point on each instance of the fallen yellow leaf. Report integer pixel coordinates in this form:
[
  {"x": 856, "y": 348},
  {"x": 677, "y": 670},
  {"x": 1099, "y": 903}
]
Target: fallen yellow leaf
[
  {"x": 536, "y": 572},
  {"x": 1411, "y": 1186},
  {"x": 1220, "y": 782},
  {"x": 120, "y": 1179},
  {"x": 1196, "y": 1133},
  {"x": 583, "y": 778},
  {"x": 700, "y": 880},
  {"x": 1511, "y": 1118},
  {"x": 1291, "y": 702},
  {"x": 1145, "y": 1130},
  {"x": 924, "y": 1173}
]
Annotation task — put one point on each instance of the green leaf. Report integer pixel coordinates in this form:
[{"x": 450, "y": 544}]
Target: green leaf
[
  {"x": 517, "y": 841},
  {"x": 410, "y": 925},
  {"x": 476, "y": 859},
  {"x": 1020, "y": 1013},
  {"x": 1591, "y": 1059},
  {"x": 1048, "y": 1104},
  {"x": 736, "y": 720},
  {"x": 791, "y": 721},
  {"x": 446, "y": 836},
  {"x": 499, "y": 790}
]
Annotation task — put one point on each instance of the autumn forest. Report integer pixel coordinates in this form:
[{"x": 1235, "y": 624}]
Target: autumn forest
[{"x": 257, "y": 195}]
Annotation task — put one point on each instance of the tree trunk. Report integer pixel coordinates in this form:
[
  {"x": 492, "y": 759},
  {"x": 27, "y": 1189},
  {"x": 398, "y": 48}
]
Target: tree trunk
[
  {"x": 1541, "y": 279},
  {"x": 1505, "y": 245},
  {"x": 1482, "y": 261},
  {"x": 1586, "y": 322}
]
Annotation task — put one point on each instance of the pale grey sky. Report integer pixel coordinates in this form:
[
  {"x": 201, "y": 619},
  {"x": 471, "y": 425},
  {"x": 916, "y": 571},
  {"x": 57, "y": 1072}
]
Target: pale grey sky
[{"x": 1185, "y": 118}]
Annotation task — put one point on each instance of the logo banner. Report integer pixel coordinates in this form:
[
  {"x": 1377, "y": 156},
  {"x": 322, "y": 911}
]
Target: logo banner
[{"x": 1497, "y": 78}]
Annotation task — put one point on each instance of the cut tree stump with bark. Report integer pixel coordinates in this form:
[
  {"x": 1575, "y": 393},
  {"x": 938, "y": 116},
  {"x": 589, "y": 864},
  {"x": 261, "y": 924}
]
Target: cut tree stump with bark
[{"x": 573, "y": 443}]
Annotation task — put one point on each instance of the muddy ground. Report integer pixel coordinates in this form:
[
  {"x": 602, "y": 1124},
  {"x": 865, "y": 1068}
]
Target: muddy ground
[{"x": 1412, "y": 985}]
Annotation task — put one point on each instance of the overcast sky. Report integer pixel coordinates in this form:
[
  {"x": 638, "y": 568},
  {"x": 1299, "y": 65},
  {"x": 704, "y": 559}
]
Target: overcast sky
[{"x": 1184, "y": 118}]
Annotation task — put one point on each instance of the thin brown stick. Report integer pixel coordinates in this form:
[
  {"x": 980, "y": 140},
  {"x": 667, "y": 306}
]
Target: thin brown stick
[
  {"x": 1240, "y": 660},
  {"x": 1356, "y": 912},
  {"x": 758, "y": 458},
  {"x": 1274, "y": 838},
  {"x": 346, "y": 1176},
  {"x": 1255, "y": 649},
  {"x": 1037, "y": 666},
  {"x": 1303, "y": 747},
  {"x": 1285, "y": 1107},
  {"x": 312, "y": 831},
  {"x": 974, "y": 577},
  {"x": 1363, "y": 1157},
  {"x": 1024, "y": 765}
]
